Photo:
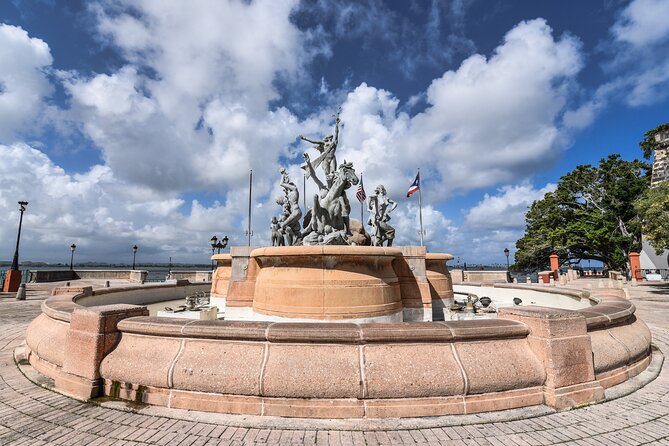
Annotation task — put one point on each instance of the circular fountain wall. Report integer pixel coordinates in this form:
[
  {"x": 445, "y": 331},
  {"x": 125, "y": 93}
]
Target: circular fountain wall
[{"x": 527, "y": 356}]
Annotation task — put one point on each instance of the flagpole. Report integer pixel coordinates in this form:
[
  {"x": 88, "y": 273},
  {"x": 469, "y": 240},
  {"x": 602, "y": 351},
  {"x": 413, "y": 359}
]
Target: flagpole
[
  {"x": 304, "y": 192},
  {"x": 420, "y": 208},
  {"x": 250, "y": 194}
]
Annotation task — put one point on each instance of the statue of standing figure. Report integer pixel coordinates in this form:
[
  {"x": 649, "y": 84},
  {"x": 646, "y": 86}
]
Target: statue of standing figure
[
  {"x": 288, "y": 224},
  {"x": 277, "y": 236},
  {"x": 379, "y": 207}
]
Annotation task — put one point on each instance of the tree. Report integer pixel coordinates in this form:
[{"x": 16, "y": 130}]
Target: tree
[
  {"x": 590, "y": 215},
  {"x": 653, "y": 210},
  {"x": 648, "y": 143}
]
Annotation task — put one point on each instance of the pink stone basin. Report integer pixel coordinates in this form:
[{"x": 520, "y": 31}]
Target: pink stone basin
[
  {"x": 528, "y": 356},
  {"x": 327, "y": 282}
]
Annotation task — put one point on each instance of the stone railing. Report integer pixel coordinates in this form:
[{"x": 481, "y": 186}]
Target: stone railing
[
  {"x": 528, "y": 356},
  {"x": 39, "y": 276},
  {"x": 466, "y": 276},
  {"x": 192, "y": 276}
]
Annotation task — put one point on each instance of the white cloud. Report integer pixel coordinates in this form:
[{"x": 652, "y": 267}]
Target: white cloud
[
  {"x": 507, "y": 209},
  {"x": 193, "y": 110},
  {"x": 643, "y": 22},
  {"x": 202, "y": 118},
  {"x": 23, "y": 80},
  {"x": 491, "y": 121},
  {"x": 640, "y": 62},
  {"x": 101, "y": 214}
]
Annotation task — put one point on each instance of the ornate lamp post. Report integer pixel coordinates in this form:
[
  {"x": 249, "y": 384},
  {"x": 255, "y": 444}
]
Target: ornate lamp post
[
  {"x": 72, "y": 248},
  {"x": 506, "y": 253},
  {"x": 214, "y": 239},
  {"x": 222, "y": 244},
  {"x": 13, "y": 277},
  {"x": 217, "y": 244},
  {"x": 134, "y": 254}
]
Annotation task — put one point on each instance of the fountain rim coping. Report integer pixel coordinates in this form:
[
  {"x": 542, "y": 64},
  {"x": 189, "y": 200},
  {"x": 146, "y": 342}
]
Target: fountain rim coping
[
  {"x": 336, "y": 250},
  {"x": 611, "y": 309},
  {"x": 438, "y": 256},
  {"x": 221, "y": 257}
]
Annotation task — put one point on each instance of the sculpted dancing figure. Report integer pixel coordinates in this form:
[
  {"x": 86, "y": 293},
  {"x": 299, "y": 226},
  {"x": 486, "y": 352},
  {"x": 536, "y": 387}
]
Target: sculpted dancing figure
[
  {"x": 327, "y": 148},
  {"x": 379, "y": 207},
  {"x": 332, "y": 199},
  {"x": 293, "y": 198},
  {"x": 277, "y": 237}
]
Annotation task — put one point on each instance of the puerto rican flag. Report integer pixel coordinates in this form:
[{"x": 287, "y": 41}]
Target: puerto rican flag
[{"x": 415, "y": 186}]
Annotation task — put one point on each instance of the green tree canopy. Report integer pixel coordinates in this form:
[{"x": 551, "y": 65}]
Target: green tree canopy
[
  {"x": 648, "y": 143},
  {"x": 590, "y": 215},
  {"x": 653, "y": 210}
]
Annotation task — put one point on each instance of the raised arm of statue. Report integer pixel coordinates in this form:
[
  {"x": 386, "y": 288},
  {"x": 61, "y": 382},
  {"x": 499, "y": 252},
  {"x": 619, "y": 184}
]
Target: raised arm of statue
[
  {"x": 393, "y": 205},
  {"x": 336, "y": 132},
  {"x": 304, "y": 138},
  {"x": 311, "y": 173}
]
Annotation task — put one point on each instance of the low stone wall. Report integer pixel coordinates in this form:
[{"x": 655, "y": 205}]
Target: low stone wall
[
  {"x": 39, "y": 276},
  {"x": 469, "y": 276},
  {"x": 486, "y": 276},
  {"x": 61, "y": 275},
  {"x": 528, "y": 356},
  {"x": 192, "y": 276},
  {"x": 323, "y": 369}
]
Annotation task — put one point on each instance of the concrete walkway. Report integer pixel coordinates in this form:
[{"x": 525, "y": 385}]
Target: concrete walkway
[{"x": 32, "y": 415}]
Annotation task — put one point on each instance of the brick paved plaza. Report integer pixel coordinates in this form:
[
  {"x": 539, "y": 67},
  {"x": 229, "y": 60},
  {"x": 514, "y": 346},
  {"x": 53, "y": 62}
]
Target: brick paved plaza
[{"x": 33, "y": 415}]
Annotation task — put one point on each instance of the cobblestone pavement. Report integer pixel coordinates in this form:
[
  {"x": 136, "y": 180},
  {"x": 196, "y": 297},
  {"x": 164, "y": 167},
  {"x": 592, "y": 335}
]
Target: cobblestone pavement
[{"x": 32, "y": 415}]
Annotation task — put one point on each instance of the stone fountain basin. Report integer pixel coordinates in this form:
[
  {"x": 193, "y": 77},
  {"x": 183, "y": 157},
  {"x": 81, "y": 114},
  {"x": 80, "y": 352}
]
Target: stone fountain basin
[
  {"x": 528, "y": 356},
  {"x": 328, "y": 283}
]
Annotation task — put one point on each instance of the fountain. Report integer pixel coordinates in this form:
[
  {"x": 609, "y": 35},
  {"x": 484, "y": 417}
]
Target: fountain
[{"x": 322, "y": 326}]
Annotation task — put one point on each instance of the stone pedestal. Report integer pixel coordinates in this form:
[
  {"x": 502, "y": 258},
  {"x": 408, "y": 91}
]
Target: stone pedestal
[
  {"x": 242, "y": 283},
  {"x": 441, "y": 285},
  {"x": 555, "y": 265},
  {"x": 91, "y": 336},
  {"x": 635, "y": 266},
  {"x": 12, "y": 281},
  {"x": 220, "y": 280},
  {"x": 411, "y": 271},
  {"x": 560, "y": 340}
]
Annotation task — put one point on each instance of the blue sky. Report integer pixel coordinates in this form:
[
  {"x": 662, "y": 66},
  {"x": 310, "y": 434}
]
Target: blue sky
[{"x": 136, "y": 122}]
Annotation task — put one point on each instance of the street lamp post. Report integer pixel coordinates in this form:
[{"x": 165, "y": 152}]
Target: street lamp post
[
  {"x": 506, "y": 253},
  {"x": 72, "y": 248},
  {"x": 13, "y": 277},
  {"x": 222, "y": 244},
  {"x": 134, "y": 254},
  {"x": 214, "y": 239},
  {"x": 15, "y": 261},
  {"x": 217, "y": 245}
]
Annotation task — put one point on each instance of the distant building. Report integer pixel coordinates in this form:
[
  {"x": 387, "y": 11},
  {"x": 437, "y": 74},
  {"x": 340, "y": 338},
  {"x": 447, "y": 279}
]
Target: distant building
[{"x": 649, "y": 259}]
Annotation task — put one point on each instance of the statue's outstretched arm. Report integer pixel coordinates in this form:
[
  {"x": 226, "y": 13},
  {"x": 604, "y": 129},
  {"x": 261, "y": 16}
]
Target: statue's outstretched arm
[
  {"x": 312, "y": 172},
  {"x": 393, "y": 205},
  {"x": 304, "y": 138},
  {"x": 336, "y": 132}
]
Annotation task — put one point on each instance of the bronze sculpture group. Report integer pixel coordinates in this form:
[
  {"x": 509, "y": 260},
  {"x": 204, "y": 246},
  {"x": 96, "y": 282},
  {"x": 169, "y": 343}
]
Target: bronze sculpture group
[{"x": 328, "y": 221}]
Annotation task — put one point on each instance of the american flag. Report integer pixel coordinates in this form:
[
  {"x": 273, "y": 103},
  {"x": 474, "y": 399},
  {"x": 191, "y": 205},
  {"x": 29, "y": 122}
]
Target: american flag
[{"x": 360, "y": 194}]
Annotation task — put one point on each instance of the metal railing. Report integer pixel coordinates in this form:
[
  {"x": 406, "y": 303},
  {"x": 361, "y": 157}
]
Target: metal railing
[{"x": 652, "y": 274}]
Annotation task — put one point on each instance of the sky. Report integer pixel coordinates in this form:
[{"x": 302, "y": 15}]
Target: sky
[{"x": 137, "y": 122}]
